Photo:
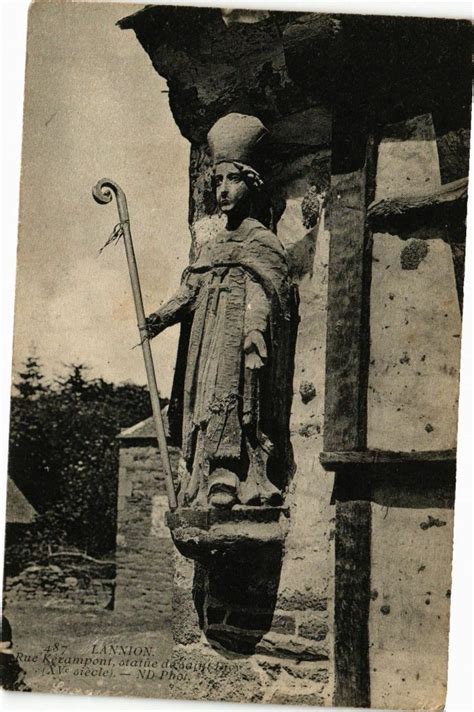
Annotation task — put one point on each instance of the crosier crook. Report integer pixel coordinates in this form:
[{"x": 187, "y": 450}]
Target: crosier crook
[{"x": 102, "y": 193}]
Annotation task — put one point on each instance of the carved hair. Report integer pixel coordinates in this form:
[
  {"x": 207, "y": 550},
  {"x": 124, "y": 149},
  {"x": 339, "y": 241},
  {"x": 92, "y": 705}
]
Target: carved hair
[{"x": 251, "y": 176}]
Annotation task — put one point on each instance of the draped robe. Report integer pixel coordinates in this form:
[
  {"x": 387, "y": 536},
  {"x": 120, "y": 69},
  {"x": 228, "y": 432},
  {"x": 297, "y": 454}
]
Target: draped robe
[{"x": 238, "y": 284}]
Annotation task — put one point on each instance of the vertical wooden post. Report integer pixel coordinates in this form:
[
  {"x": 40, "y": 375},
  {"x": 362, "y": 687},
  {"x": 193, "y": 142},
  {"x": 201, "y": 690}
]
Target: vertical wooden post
[{"x": 347, "y": 359}]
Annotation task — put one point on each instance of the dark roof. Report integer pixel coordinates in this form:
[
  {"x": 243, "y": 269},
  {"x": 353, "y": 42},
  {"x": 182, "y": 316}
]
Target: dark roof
[
  {"x": 19, "y": 510},
  {"x": 144, "y": 430}
]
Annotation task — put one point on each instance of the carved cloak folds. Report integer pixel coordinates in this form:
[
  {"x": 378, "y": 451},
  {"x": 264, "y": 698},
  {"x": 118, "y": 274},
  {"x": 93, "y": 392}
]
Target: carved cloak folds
[{"x": 239, "y": 283}]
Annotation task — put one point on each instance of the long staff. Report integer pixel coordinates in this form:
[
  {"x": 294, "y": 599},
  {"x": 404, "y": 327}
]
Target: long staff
[{"x": 102, "y": 193}]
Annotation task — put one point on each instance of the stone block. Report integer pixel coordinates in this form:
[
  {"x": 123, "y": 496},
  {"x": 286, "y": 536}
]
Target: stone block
[
  {"x": 185, "y": 626},
  {"x": 282, "y": 646},
  {"x": 291, "y": 600},
  {"x": 283, "y": 623},
  {"x": 313, "y": 629},
  {"x": 300, "y": 670}
]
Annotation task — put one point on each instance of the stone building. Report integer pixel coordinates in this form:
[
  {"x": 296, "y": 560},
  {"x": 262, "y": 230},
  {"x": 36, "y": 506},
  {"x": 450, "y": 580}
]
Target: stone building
[
  {"x": 145, "y": 566},
  {"x": 371, "y": 117}
]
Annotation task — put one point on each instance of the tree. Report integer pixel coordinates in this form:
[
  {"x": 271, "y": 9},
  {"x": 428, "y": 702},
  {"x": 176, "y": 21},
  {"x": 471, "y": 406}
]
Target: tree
[
  {"x": 64, "y": 455},
  {"x": 30, "y": 384},
  {"x": 75, "y": 382}
]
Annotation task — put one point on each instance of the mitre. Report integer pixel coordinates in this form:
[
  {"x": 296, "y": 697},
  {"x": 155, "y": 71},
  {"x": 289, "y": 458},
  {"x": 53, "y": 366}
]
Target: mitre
[{"x": 235, "y": 138}]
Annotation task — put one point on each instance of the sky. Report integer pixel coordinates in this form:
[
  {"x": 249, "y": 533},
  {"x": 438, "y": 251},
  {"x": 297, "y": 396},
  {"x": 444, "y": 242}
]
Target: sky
[{"x": 95, "y": 107}]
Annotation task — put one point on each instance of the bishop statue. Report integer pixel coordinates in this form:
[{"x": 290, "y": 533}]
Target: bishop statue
[{"x": 231, "y": 397}]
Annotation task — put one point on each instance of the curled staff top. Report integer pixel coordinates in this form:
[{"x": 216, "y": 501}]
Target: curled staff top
[
  {"x": 103, "y": 189},
  {"x": 103, "y": 192}
]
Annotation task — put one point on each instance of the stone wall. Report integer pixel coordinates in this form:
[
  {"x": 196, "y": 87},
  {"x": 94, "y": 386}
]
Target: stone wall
[
  {"x": 144, "y": 548},
  {"x": 70, "y": 585},
  {"x": 290, "y": 663}
]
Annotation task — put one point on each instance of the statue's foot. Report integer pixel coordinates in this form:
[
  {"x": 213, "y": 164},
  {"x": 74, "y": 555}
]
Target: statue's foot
[
  {"x": 258, "y": 491},
  {"x": 221, "y": 499},
  {"x": 223, "y": 489},
  {"x": 263, "y": 499}
]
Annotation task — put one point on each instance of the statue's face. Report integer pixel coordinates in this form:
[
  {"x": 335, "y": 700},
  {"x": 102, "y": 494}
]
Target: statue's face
[{"x": 231, "y": 188}]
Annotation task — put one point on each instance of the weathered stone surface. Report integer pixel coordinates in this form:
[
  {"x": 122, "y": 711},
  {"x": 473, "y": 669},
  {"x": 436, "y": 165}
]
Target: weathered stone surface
[
  {"x": 297, "y": 600},
  {"x": 299, "y": 670},
  {"x": 241, "y": 641},
  {"x": 145, "y": 563},
  {"x": 311, "y": 207},
  {"x": 281, "y": 646},
  {"x": 212, "y": 677},
  {"x": 453, "y": 151},
  {"x": 243, "y": 16},
  {"x": 73, "y": 585},
  {"x": 307, "y": 391},
  {"x": 183, "y": 571},
  {"x": 413, "y": 254},
  {"x": 185, "y": 623},
  {"x": 283, "y": 624},
  {"x": 214, "y": 67},
  {"x": 310, "y": 127},
  {"x": 314, "y": 629}
]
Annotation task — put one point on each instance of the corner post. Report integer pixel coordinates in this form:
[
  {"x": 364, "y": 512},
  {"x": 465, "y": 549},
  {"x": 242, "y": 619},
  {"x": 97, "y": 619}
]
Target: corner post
[{"x": 347, "y": 360}]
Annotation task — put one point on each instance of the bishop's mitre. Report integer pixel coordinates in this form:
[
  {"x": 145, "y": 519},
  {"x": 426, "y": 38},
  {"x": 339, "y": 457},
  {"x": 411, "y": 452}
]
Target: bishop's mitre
[{"x": 236, "y": 138}]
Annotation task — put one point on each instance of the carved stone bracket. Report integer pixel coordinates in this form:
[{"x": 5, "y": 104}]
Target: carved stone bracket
[{"x": 201, "y": 533}]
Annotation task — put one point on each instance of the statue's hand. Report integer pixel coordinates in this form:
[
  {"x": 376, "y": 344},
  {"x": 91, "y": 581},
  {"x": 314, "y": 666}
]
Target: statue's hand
[
  {"x": 154, "y": 325},
  {"x": 255, "y": 350}
]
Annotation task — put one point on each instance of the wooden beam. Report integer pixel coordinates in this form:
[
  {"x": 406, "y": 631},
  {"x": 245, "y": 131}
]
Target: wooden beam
[
  {"x": 347, "y": 363},
  {"x": 344, "y": 401},
  {"x": 334, "y": 460},
  {"x": 393, "y": 214},
  {"x": 352, "y": 601}
]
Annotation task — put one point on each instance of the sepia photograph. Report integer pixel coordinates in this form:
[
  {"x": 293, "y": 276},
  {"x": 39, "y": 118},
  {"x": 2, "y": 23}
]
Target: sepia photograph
[{"x": 232, "y": 437}]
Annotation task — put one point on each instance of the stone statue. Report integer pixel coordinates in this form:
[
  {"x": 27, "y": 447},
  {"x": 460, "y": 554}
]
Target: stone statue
[{"x": 231, "y": 397}]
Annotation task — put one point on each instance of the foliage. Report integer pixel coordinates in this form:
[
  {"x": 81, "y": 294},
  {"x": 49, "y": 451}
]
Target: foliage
[
  {"x": 64, "y": 453},
  {"x": 30, "y": 384}
]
